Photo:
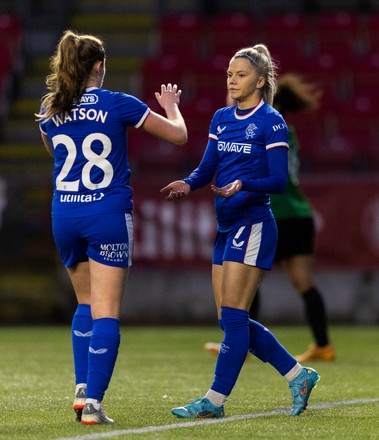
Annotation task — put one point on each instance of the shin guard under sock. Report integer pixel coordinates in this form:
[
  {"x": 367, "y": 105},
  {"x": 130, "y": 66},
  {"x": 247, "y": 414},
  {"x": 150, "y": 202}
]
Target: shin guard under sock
[
  {"x": 81, "y": 331},
  {"x": 102, "y": 356},
  {"x": 264, "y": 345},
  {"x": 233, "y": 349}
]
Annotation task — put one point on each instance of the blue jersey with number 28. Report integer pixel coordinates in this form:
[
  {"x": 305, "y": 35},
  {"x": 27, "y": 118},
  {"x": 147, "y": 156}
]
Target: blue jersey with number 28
[{"x": 90, "y": 145}]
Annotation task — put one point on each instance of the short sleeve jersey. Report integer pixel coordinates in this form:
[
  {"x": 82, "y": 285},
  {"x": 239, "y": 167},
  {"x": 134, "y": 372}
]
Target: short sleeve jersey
[
  {"x": 90, "y": 144},
  {"x": 239, "y": 151}
]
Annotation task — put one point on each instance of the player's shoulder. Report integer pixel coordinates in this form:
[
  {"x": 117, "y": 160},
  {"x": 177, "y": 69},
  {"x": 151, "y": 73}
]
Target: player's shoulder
[
  {"x": 225, "y": 112},
  {"x": 271, "y": 115},
  {"x": 272, "y": 111},
  {"x": 269, "y": 110},
  {"x": 114, "y": 95}
]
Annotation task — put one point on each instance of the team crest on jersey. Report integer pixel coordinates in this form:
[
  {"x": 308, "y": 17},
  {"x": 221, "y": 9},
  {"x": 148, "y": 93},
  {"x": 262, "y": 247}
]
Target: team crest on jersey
[{"x": 250, "y": 130}]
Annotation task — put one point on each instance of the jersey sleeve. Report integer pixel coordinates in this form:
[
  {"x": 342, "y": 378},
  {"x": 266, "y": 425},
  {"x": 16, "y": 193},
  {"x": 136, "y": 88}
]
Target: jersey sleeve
[
  {"x": 42, "y": 122},
  {"x": 42, "y": 128},
  {"x": 276, "y": 132},
  {"x": 204, "y": 173},
  {"x": 131, "y": 109},
  {"x": 213, "y": 126},
  {"x": 276, "y": 181}
]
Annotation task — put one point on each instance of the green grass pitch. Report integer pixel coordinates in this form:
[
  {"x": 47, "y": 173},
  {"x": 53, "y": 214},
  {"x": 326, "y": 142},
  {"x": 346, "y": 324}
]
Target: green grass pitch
[{"x": 160, "y": 367}]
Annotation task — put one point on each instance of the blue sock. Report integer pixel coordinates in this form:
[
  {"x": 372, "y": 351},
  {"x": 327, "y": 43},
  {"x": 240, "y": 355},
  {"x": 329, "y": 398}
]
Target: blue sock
[
  {"x": 267, "y": 348},
  {"x": 220, "y": 324},
  {"x": 233, "y": 349},
  {"x": 102, "y": 356},
  {"x": 81, "y": 331}
]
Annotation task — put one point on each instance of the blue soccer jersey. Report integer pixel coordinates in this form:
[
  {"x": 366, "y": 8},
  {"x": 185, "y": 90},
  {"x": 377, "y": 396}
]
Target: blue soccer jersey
[
  {"x": 90, "y": 145},
  {"x": 250, "y": 146}
]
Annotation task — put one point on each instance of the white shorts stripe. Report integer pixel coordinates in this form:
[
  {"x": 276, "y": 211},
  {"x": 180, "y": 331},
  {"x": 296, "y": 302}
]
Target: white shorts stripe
[
  {"x": 129, "y": 227},
  {"x": 253, "y": 245}
]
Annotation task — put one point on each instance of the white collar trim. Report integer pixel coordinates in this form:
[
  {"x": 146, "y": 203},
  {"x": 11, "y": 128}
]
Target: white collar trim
[{"x": 241, "y": 117}]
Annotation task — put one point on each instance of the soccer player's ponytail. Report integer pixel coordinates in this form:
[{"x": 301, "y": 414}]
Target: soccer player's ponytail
[{"x": 70, "y": 67}]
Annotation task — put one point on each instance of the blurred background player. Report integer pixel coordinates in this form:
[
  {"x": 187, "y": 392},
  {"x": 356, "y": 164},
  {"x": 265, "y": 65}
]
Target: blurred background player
[
  {"x": 296, "y": 230},
  {"x": 84, "y": 127},
  {"x": 294, "y": 217}
]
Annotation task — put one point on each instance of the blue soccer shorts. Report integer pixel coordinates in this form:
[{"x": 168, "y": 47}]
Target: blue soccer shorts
[
  {"x": 105, "y": 238},
  {"x": 254, "y": 245}
]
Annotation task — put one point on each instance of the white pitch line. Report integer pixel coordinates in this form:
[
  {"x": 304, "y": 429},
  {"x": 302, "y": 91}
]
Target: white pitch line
[{"x": 146, "y": 429}]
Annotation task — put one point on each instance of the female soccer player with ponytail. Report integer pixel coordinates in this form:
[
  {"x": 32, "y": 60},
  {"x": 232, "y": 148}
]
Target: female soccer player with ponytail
[
  {"x": 247, "y": 154},
  {"x": 84, "y": 127}
]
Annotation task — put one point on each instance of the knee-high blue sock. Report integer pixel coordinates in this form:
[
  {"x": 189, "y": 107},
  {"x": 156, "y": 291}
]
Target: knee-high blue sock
[
  {"x": 233, "y": 349},
  {"x": 102, "y": 356},
  {"x": 81, "y": 330},
  {"x": 264, "y": 345}
]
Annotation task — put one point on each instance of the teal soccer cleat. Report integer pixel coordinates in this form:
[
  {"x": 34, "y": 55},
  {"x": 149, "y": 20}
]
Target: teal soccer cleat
[
  {"x": 200, "y": 408},
  {"x": 301, "y": 388}
]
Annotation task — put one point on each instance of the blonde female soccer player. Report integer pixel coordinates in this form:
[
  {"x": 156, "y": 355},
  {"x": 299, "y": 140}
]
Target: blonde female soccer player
[{"x": 247, "y": 154}]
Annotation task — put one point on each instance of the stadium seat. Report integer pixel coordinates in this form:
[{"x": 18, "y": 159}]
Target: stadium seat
[
  {"x": 328, "y": 69},
  {"x": 365, "y": 104},
  {"x": 167, "y": 68},
  {"x": 231, "y": 32},
  {"x": 324, "y": 146},
  {"x": 322, "y": 47},
  {"x": 366, "y": 71},
  {"x": 6, "y": 69},
  {"x": 149, "y": 153},
  {"x": 338, "y": 46},
  {"x": 10, "y": 56},
  {"x": 11, "y": 34},
  {"x": 371, "y": 152},
  {"x": 358, "y": 121},
  {"x": 198, "y": 118},
  {"x": 286, "y": 58},
  {"x": 182, "y": 34},
  {"x": 211, "y": 80},
  {"x": 372, "y": 28},
  {"x": 337, "y": 23},
  {"x": 334, "y": 153},
  {"x": 307, "y": 125},
  {"x": 6, "y": 62},
  {"x": 290, "y": 32}
]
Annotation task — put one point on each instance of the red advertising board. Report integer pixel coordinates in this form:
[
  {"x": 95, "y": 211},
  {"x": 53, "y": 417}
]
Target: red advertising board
[
  {"x": 347, "y": 220},
  {"x": 182, "y": 233}
]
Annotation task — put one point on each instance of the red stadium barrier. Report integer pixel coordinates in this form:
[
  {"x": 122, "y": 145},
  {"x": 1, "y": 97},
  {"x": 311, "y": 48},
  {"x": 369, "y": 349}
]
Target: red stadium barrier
[{"x": 181, "y": 234}]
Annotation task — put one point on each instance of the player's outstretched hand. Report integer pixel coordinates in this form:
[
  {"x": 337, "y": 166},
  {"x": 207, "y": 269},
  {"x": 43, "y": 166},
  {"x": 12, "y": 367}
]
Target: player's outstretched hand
[
  {"x": 228, "y": 190},
  {"x": 169, "y": 95},
  {"x": 176, "y": 190}
]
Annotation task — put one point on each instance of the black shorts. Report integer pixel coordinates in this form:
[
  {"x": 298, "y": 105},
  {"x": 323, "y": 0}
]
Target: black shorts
[{"x": 295, "y": 237}]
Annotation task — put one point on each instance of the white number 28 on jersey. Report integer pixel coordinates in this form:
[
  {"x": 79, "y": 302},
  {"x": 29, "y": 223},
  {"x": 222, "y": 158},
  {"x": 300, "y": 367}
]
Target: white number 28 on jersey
[{"x": 93, "y": 160}]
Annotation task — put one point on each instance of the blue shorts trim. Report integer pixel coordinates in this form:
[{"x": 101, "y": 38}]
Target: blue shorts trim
[
  {"x": 105, "y": 238},
  {"x": 254, "y": 245}
]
